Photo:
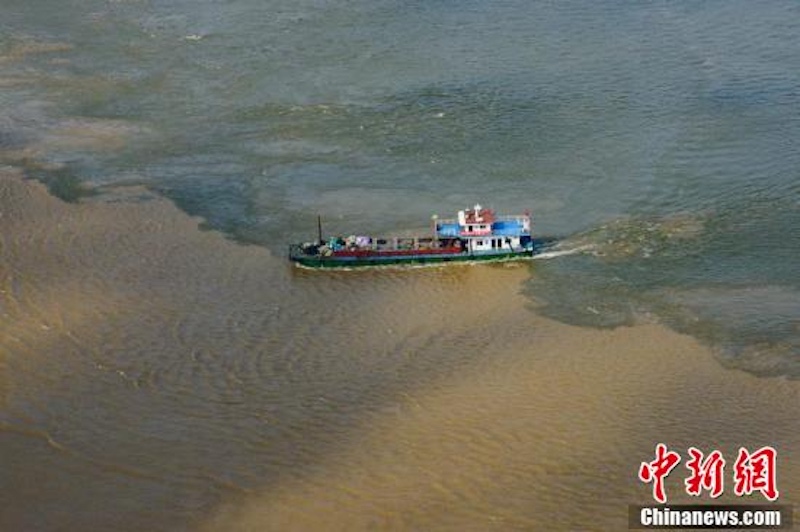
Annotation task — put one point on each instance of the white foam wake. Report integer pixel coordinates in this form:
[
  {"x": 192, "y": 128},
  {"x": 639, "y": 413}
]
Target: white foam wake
[{"x": 562, "y": 252}]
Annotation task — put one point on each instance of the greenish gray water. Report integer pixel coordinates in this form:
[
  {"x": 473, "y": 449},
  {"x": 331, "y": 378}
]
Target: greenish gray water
[
  {"x": 258, "y": 115},
  {"x": 604, "y": 119}
]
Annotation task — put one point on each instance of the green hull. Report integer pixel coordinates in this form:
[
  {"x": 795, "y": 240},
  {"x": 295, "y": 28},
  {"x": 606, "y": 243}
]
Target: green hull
[{"x": 359, "y": 262}]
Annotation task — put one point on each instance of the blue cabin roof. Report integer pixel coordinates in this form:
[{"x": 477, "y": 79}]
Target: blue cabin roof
[
  {"x": 504, "y": 227},
  {"x": 508, "y": 228},
  {"x": 447, "y": 229}
]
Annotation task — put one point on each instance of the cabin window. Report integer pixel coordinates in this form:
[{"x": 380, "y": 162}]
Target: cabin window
[
  {"x": 479, "y": 242},
  {"x": 469, "y": 228}
]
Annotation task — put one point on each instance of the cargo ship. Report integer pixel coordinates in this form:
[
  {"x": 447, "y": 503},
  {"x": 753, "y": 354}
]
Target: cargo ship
[{"x": 476, "y": 234}]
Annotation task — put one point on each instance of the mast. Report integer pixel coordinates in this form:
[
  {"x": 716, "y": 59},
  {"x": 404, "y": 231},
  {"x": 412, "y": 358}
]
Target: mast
[{"x": 319, "y": 229}]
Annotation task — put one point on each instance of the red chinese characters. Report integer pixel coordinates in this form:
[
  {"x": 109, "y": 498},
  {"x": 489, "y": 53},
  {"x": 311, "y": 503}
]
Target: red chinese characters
[
  {"x": 756, "y": 472},
  {"x": 705, "y": 473},
  {"x": 752, "y": 472},
  {"x": 657, "y": 470}
]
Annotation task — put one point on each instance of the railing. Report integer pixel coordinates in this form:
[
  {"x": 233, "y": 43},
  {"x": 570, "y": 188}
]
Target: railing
[
  {"x": 518, "y": 225},
  {"x": 520, "y": 218}
]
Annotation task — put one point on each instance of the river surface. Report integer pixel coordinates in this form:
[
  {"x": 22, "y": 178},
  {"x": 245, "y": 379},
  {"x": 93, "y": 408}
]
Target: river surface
[{"x": 658, "y": 142}]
